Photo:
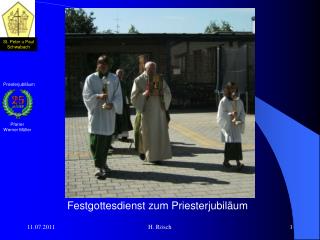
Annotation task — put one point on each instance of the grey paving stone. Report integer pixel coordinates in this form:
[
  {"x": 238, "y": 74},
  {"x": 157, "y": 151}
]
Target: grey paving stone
[{"x": 194, "y": 171}]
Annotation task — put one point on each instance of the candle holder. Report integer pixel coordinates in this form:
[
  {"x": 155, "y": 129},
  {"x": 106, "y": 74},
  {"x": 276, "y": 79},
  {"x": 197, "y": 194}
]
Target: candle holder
[
  {"x": 235, "y": 100},
  {"x": 105, "y": 91}
]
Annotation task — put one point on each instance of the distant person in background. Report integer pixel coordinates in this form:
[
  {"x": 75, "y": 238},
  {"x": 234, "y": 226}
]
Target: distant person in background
[
  {"x": 103, "y": 99},
  {"x": 123, "y": 122},
  {"x": 231, "y": 119},
  {"x": 151, "y": 97}
]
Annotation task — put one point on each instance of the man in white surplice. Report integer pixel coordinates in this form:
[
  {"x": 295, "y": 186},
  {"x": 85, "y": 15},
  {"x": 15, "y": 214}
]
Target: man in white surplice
[
  {"x": 151, "y": 97},
  {"x": 103, "y": 99}
]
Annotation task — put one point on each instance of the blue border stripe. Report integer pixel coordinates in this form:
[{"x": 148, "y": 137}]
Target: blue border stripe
[{"x": 297, "y": 150}]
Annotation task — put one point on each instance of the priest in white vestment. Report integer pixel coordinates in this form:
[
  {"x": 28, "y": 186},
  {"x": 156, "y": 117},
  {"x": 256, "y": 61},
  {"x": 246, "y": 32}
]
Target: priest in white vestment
[
  {"x": 151, "y": 98},
  {"x": 103, "y": 99}
]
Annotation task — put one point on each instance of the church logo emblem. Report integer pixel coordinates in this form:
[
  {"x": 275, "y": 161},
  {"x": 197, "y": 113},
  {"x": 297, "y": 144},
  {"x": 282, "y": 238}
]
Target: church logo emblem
[
  {"x": 17, "y": 103},
  {"x": 18, "y": 21}
]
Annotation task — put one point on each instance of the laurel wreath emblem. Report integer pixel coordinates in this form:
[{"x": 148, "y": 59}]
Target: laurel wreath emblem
[{"x": 25, "y": 111}]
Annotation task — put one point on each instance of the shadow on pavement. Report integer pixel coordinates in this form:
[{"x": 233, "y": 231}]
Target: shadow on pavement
[
  {"x": 208, "y": 166},
  {"x": 163, "y": 177},
  {"x": 182, "y": 151},
  {"x": 182, "y": 143},
  {"x": 123, "y": 151},
  {"x": 177, "y": 151}
]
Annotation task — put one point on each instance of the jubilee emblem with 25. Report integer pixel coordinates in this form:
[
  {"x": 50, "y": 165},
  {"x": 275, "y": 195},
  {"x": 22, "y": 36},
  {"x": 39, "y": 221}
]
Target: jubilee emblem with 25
[{"x": 17, "y": 103}]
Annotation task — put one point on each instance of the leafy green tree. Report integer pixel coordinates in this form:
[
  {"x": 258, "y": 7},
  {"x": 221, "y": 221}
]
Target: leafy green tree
[
  {"x": 107, "y": 31},
  {"x": 78, "y": 21},
  {"x": 133, "y": 29},
  {"x": 215, "y": 27},
  {"x": 226, "y": 27}
]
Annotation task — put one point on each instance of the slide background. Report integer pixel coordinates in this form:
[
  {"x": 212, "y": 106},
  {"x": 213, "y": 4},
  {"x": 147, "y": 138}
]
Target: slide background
[{"x": 287, "y": 140}]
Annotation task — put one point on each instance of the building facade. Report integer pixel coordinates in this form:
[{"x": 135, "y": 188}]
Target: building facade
[{"x": 195, "y": 65}]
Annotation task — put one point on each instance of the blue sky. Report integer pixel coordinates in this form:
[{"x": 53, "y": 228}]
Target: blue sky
[{"x": 170, "y": 20}]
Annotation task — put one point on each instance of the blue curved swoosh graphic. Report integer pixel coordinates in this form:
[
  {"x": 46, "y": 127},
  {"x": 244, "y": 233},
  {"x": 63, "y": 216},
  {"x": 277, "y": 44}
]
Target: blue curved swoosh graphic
[{"x": 297, "y": 151}]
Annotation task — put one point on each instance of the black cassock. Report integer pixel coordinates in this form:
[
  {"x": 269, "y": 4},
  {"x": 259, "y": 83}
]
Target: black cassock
[{"x": 123, "y": 122}]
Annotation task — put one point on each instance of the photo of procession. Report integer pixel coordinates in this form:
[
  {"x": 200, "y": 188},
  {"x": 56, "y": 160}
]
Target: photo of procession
[{"x": 160, "y": 106}]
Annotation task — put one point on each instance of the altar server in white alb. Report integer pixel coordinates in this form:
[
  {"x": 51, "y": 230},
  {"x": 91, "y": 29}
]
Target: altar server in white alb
[
  {"x": 231, "y": 119},
  {"x": 103, "y": 99}
]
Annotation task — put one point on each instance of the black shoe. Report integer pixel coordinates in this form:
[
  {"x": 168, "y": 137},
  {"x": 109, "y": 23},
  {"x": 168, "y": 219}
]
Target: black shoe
[
  {"x": 227, "y": 164},
  {"x": 240, "y": 166},
  {"x": 107, "y": 169},
  {"x": 142, "y": 156},
  {"x": 101, "y": 172},
  {"x": 104, "y": 177}
]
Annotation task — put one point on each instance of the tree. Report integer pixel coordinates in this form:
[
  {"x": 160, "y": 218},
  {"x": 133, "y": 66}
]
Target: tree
[
  {"x": 226, "y": 27},
  {"x": 107, "y": 31},
  {"x": 133, "y": 29},
  {"x": 214, "y": 27},
  {"x": 78, "y": 21}
]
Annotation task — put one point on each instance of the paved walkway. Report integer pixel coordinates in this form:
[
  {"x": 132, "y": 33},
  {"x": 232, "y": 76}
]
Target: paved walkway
[{"x": 194, "y": 171}]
